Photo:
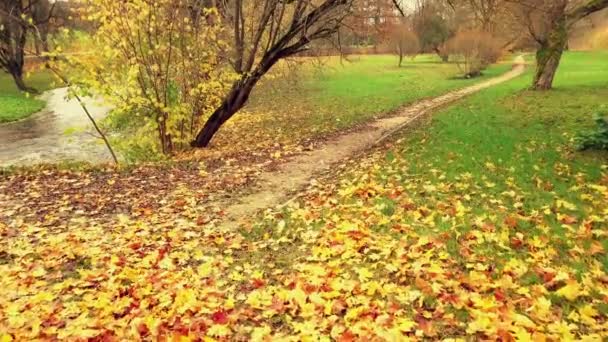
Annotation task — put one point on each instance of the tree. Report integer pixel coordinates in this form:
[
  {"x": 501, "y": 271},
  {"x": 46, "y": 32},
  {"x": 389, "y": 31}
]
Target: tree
[
  {"x": 433, "y": 27},
  {"x": 473, "y": 51},
  {"x": 371, "y": 19},
  {"x": 485, "y": 13},
  {"x": 491, "y": 16},
  {"x": 160, "y": 63},
  {"x": 549, "y": 23},
  {"x": 403, "y": 41},
  {"x": 264, "y": 32},
  {"x": 19, "y": 19}
]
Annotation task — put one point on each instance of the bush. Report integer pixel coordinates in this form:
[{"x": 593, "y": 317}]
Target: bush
[
  {"x": 157, "y": 62},
  {"x": 596, "y": 139},
  {"x": 599, "y": 40},
  {"x": 473, "y": 51}
]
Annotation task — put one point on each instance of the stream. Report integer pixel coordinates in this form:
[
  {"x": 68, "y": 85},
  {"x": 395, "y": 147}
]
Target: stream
[{"x": 60, "y": 132}]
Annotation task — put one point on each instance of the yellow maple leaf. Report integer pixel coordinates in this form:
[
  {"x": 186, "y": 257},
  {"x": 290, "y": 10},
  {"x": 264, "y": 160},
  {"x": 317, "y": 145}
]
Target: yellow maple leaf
[
  {"x": 39, "y": 272},
  {"x": 205, "y": 269},
  {"x": 542, "y": 308},
  {"x": 521, "y": 335},
  {"x": 185, "y": 300},
  {"x": 587, "y": 314},
  {"x": 219, "y": 330},
  {"x": 364, "y": 274},
  {"x": 299, "y": 296},
  {"x": 523, "y": 321},
  {"x": 260, "y": 333},
  {"x": 406, "y": 325},
  {"x": 571, "y": 291}
]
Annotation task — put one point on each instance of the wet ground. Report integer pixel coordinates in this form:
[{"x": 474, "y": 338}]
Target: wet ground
[{"x": 61, "y": 132}]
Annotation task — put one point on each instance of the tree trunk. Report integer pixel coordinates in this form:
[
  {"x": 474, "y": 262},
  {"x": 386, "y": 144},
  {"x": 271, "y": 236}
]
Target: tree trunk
[
  {"x": 549, "y": 54},
  {"x": 239, "y": 94},
  {"x": 17, "y": 74},
  {"x": 444, "y": 56},
  {"x": 235, "y": 100},
  {"x": 213, "y": 124}
]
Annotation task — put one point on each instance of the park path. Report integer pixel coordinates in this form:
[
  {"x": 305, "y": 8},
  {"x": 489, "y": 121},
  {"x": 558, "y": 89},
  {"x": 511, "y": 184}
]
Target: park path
[
  {"x": 274, "y": 187},
  {"x": 59, "y": 132}
]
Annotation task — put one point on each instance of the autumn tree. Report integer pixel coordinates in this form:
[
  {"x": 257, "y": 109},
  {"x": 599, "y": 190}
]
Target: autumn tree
[
  {"x": 491, "y": 16},
  {"x": 549, "y": 23},
  {"x": 20, "y": 20},
  {"x": 473, "y": 51},
  {"x": 403, "y": 41},
  {"x": 262, "y": 32},
  {"x": 433, "y": 25},
  {"x": 374, "y": 18},
  {"x": 485, "y": 14},
  {"x": 159, "y": 63}
]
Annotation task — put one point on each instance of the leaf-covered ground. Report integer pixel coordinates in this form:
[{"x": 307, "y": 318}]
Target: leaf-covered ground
[
  {"x": 481, "y": 224},
  {"x": 289, "y": 115}
]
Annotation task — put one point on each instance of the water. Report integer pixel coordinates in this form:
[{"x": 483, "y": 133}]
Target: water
[{"x": 61, "y": 132}]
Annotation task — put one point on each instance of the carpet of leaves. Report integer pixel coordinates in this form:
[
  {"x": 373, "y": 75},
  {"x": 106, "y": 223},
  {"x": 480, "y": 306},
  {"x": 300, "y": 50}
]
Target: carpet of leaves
[{"x": 378, "y": 254}]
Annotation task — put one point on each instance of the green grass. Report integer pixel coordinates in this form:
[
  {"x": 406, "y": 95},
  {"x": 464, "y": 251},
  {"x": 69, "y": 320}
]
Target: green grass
[
  {"x": 510, "y": 139},
  {"x": 324, "y": 97},
  {"x": 15, "y": 105},
  {"x": 370, "y": 85},
  {"x": 486, "y": 211},
  {"x": 523, "y": 130},
  {"x": 376, "y": 85}
]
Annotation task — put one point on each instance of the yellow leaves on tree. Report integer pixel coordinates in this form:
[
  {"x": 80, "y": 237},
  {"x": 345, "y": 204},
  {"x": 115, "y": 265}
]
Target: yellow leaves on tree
[{"x": 159, "y": 63}]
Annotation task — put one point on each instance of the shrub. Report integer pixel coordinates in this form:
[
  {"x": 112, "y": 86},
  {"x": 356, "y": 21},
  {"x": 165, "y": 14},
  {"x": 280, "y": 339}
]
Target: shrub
[
  {"x": 597, "y": 139},
  {"x": 599, "y": 40},
  {"x": 157, "y": 62},
  {"x": 473, "y": 51}
]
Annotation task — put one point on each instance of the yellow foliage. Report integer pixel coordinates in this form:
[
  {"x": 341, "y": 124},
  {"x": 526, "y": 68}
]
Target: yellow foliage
[{"x": 158, "y": 64}]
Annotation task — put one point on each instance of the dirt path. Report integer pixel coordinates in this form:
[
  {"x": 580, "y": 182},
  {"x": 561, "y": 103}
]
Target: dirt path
[{"x": 273, "y": 188}]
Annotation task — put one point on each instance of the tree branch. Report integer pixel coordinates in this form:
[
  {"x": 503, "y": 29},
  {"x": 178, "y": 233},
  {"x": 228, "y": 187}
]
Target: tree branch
[
  {"x": 398, "y": 6},
  {"x": 589, "y": 8}
]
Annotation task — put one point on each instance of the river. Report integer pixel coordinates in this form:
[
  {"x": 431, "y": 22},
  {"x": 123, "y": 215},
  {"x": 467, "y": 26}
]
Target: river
[{"x": 60, "y": 132}]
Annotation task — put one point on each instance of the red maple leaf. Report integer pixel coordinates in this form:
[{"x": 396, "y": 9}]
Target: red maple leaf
[{"x": 220, "y": 317}]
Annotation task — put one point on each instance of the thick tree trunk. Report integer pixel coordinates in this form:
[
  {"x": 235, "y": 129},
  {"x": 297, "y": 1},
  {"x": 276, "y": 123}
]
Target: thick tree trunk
[
  {"x": 236, "y": 99},
  {"x": 549, "y": 54},
  {"x": 213, "y": 124},
  {"x": 239, "y": 94},
  {"x": 17, "y": 74}
]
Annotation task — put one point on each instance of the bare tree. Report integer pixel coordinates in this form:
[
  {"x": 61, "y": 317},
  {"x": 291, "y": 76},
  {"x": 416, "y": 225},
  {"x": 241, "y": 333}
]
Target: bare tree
[
  {"x": 485, "y": 13},
  {"x": 473, "y": 51},
  {"x": 491, "y": 16},
  {"x": 434, "y": 23},
  {"x": 549, "y": 23},
  {"x": 264, "y": 32},
  {"x": 17, "y": 19},
  {"x": 403, "y": 41}
]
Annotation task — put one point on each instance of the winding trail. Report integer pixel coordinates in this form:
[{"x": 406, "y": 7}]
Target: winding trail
[{"x": 273, "y": 187}]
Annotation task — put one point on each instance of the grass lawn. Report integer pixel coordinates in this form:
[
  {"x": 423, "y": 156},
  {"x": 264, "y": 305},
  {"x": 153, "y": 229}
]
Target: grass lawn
[
  {"x": 370, "y": 85},
  {"x": 483, "y": 222},
  {"x": 308, "y": 102},
  {"x": 15, "y": 105}
]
